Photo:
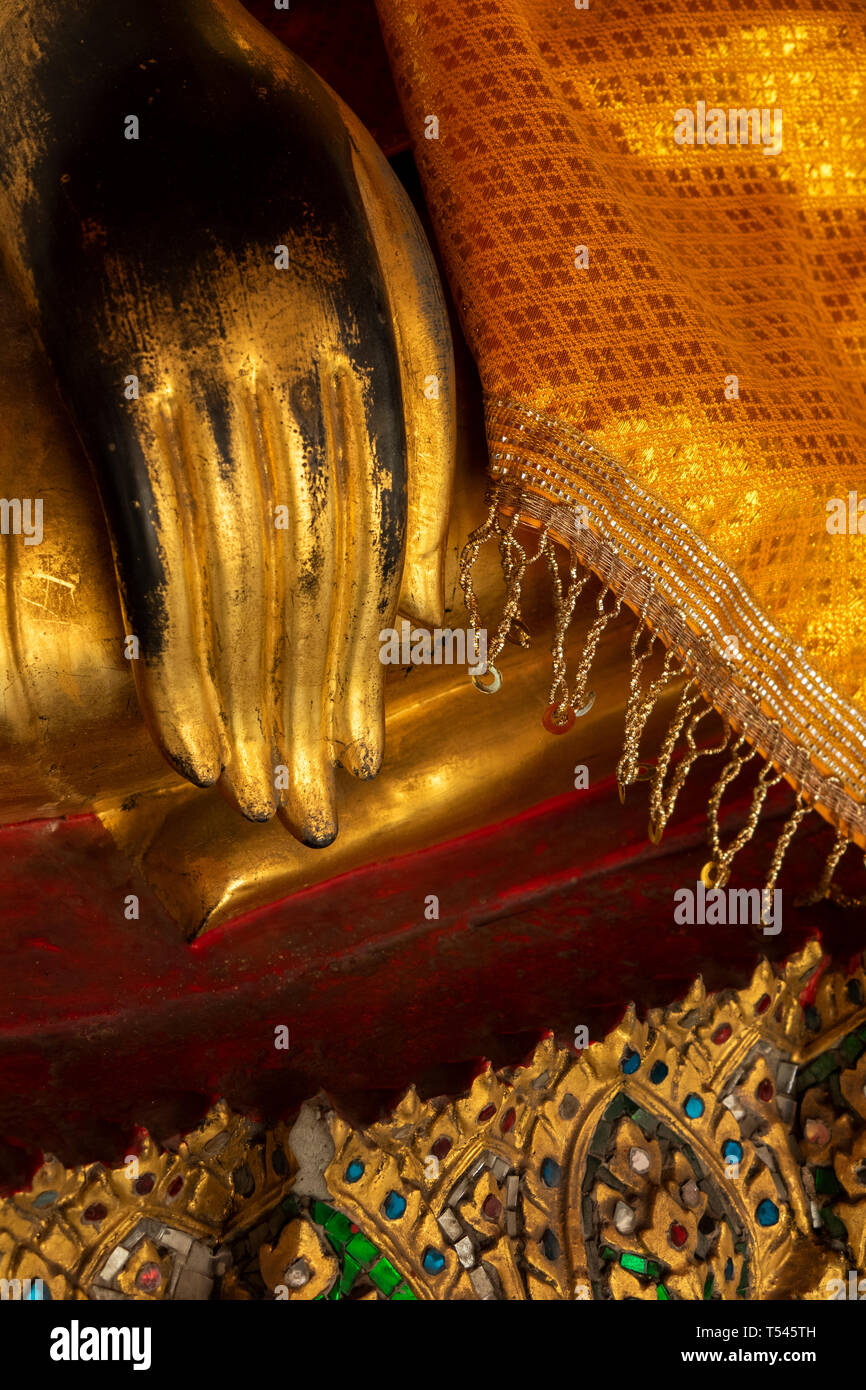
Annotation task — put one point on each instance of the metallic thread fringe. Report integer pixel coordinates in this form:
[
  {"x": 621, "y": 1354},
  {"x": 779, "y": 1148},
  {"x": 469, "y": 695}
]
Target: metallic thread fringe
[{"x": 569, "y": 701}]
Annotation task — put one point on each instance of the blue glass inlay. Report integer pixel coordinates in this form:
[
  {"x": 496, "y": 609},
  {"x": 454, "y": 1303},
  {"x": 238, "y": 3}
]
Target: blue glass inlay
[
  {"x": 550, "y": 1173},
  {"x": 550, "y": 1245},
  {"x": 767, "y": 1213},
  {"x": 394, "y": 1206}
]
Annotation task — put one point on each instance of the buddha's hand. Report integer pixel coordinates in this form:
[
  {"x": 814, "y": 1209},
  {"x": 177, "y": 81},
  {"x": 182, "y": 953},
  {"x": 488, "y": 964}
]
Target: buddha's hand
[{"x": 248, "y": 328}]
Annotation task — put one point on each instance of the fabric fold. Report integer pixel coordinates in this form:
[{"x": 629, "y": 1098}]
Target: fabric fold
[{"x": 653, "y": 224}]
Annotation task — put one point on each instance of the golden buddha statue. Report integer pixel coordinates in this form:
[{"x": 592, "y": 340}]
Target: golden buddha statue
[
  {"x": 236, "y": 298},
  {"x": 258, "y": 508},
  {"x": 241, "y": 445}
]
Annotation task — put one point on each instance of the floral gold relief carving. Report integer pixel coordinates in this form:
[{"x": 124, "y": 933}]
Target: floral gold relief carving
[{"x": 714, "y": 1151}]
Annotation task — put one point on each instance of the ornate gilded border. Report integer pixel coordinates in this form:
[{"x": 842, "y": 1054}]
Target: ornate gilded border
[{"x": 714, "y": 1151}]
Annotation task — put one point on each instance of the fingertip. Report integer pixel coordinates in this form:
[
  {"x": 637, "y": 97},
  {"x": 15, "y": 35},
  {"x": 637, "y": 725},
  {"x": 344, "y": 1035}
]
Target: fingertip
[
  {"x": 308, "y": 806},
  {"x": 359, "y": 743},
  {"x": 316, "y": 831},
  {"x": 422, "y": 590},
  {"x": 178, "y": 711},
  {"x": 248, "y": 782},
  {"x": 313, "y": 823},
  {"x": 363, "y": 757},
  {"x": 193, "y": 753}
]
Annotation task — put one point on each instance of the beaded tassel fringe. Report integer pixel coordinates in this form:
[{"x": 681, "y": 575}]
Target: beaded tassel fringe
[{"x": 569, "y": 700}]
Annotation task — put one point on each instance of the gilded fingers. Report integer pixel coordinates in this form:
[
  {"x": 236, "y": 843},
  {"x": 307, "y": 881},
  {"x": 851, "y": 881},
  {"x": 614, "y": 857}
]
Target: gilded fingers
[
  {"x": 308, "y": 559},
  {"x": 284, "y": 337},
  {"x": 371, "y": 483},
  {"x": 229, "y": 473},
  {"x": 424, "y": 350},
  {"x": 174, "y": 684}
]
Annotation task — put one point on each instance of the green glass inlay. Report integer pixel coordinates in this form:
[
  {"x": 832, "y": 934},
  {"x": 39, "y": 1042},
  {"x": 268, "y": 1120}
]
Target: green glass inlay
[
  {"x": 361, "y": 1249},
  {"x": 620, "y": 1105},
  {"x": 708, "y": 1287},
  {"x": 356, "y": 1252},
  {"x": 817, "y": 1070},
  {"x": 598, "y": 1146},
  {"x": 826, "y": 1182},
  {"x": 385, "y": 1276},
  {"x": 662, "y": 1294},
  {"x": 608, "y": 1254},
  {"x": 833, "y": 1224},
  {"x": 338, "y": 1228},
  {"x": 693, "y": 1159},
  {"x": 351, "y": 1270},
  {"x": 852, "y": 1046},
  {"x": 645, "y": 1120},
  {"x": 635, "y": 1263},
  {"x": 653, "y": 1270}
]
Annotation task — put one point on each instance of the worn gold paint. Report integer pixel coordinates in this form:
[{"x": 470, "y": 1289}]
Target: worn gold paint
[
  {"x": 270, "y": 653},
  {"x": 73, "y": 739},
  {"x": 71, "y": 734},
  {"x": 298, "y": 1240}
]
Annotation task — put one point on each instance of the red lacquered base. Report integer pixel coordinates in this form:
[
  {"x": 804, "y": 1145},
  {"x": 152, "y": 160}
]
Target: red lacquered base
[{"x": 555, "y": 918}]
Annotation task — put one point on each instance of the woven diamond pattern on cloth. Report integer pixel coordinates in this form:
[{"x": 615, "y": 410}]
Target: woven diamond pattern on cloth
[{"x": 711, "y": 338}]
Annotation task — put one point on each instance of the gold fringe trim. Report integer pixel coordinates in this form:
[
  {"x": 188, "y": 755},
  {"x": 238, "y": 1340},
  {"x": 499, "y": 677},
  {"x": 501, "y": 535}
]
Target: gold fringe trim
[{"x": 711, "y": 679}]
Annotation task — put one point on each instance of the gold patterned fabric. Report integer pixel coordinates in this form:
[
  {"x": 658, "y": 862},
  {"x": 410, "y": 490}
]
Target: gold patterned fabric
[{"x": 671, "y": 335}]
